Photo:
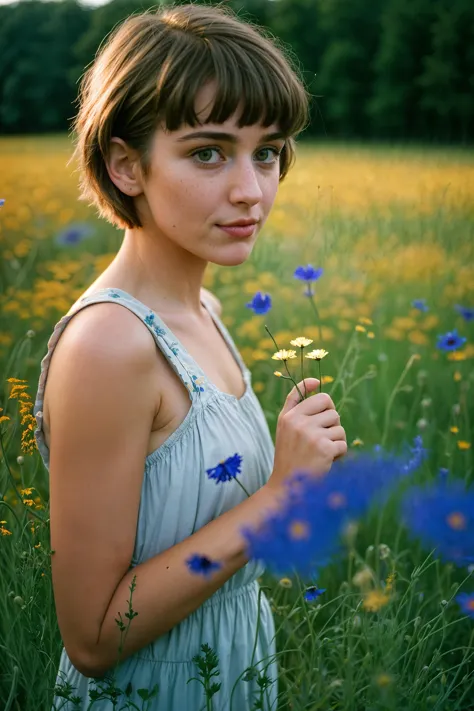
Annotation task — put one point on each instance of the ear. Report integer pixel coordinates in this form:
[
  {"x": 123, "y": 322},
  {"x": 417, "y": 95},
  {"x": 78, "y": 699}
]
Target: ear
[{"x": 123, "y": 167}]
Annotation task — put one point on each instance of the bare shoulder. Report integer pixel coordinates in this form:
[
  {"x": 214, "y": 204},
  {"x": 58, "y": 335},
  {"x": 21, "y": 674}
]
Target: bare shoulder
[{"x": 101, "y": 410}]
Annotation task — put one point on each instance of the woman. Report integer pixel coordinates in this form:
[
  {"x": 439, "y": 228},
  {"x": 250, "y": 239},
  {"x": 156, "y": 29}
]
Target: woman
[{"x": 185, "y": 127}]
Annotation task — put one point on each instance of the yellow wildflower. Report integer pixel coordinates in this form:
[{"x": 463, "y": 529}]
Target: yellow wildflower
[
  {"x": 454, "y": 430},
  {"x": 367, "y": 321},
  {"x": 457, "y": 376},
  {"x": 457, "y": 355},
  {"x": 383, "y": 680},
  {"x": 357, "y": 443},
  {"x": 375, "y": 600},
  {"x": 285, "y": 583},
  {"x": 361, "y": 329},
  {"x": 318, "y": 354},
  {"x": 278, "y": 374},
  {"x": 327, "y": 379},
  {"x": 284, "y": 355},
  {"x": 464, "y": 445},
  {"x": 371, "y": 334},
  {"x": 301, "y": 342}
]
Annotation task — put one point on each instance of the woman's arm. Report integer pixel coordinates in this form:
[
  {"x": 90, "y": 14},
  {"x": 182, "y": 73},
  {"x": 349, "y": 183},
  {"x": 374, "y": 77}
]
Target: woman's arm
[{"x": 101, "y": 411}]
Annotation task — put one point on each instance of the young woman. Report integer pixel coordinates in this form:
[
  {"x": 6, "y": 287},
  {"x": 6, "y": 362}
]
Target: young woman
[{"x": 185, "y": 127}]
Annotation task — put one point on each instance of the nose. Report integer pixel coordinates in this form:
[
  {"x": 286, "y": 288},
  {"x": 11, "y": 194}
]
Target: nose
[{"x": 245, "y": 183}]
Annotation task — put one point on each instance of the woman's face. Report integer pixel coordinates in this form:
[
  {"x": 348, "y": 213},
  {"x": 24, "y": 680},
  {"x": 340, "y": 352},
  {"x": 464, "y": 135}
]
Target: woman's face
[{"x": 197, "y": 183}]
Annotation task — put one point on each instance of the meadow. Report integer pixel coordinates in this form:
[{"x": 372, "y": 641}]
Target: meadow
[{"x": 384, "y": 624}]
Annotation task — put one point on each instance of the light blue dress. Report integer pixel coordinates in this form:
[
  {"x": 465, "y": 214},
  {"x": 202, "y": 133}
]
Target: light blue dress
[{"x": 177, "y": 499}]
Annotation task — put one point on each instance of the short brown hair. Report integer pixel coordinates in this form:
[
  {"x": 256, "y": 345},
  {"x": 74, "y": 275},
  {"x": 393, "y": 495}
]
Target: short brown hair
[{"x": 149, "y": 72}]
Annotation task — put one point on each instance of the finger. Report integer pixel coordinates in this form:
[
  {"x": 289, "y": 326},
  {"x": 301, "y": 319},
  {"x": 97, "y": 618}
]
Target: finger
[
  {"x": 293, "y": 397},
  {"x": 317, "y": 403},
  {"x": 328, "y": 418},
  {"x": 340, "y": 448},
  {"x": 336, "y": 433}
]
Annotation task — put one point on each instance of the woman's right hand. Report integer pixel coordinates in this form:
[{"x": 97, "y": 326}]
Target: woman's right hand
[{"x": 309, "y": 435}]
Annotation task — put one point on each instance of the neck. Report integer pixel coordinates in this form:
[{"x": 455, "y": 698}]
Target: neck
[{"x": 160, "y": 274}]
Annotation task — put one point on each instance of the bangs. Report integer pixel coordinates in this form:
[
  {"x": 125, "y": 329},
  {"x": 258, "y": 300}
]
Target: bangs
[{"x": 263, "y": 90}]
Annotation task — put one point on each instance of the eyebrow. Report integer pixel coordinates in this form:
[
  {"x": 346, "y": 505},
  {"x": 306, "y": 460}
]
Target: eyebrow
[{"x": 230, "y": 137}]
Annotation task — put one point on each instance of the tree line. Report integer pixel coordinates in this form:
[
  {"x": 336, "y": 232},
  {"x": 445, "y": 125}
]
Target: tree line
[{"x": 378, "y": 70}]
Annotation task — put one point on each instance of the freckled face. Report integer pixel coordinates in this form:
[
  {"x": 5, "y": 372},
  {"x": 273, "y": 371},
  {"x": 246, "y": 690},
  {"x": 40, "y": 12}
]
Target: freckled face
[{"x": 198, "y": 183}]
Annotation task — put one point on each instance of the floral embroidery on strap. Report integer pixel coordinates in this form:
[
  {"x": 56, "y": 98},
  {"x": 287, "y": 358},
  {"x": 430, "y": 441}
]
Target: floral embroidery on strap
[{"x": 150, "y": 321}]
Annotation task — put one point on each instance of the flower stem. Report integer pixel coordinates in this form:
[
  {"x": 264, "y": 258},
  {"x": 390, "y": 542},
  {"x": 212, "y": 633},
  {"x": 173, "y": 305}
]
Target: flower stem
[
  {"x": 320, "y": 378},
  {"x": 310, "y": 294},
  {"x": 242, "y": 486},
  {"x": 302, "y": 371},
  {"x": 286, "y": 366}
]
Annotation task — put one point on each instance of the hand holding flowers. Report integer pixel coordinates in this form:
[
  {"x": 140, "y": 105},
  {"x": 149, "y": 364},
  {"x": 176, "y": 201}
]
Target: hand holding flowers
[{"x": 309, "y": 435}]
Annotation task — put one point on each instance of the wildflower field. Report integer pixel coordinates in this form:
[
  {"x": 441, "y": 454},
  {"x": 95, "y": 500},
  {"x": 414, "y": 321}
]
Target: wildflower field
[{"x": 367, "y": 264}]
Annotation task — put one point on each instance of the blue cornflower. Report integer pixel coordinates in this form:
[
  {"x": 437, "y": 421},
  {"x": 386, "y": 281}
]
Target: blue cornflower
[
  {"x": 466, "y": 603},
  {"x": 202, "y": 564},
  {"x": 226, "y": 470},
  {"x": 305, "y": 532},
  {"x": 74, "y": 233},
  {"x": 261, "y": 303},
  {"x": 308, "y": 273},
  {"x": 442, "y": 517},
  {"x": 312, "y": 593},
  {"x": 466, "y": 312},
  {"x": 2, "y": 202},
  {"x": 450, "y": 341},
  {"x": 420, "y": 304}
]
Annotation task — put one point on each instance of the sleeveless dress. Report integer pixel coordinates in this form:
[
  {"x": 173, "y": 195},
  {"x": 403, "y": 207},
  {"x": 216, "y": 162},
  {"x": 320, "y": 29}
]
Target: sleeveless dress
[{"x": 178, "y": 498}]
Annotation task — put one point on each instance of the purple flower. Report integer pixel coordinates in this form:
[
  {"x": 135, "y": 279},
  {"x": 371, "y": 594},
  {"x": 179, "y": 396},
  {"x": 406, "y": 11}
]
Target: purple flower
[
  {"x": 304, "y": 533},
  {"x": 312, "y": 593},
  {"x": 74, "y": 233},
  {"x": 466, "y": 312},
  {"x": 466, "y": 603},
  {"x": 261, "y": 303},
  {"x": 308, "y": 273},
  {"x": 226, "y": 470},
  {"x": 420, "y": 304},
  {"x": 450, "y": 341},
  {"x": 2, "y": 202},
  {"x": 442, "y": 517},
  {"x": 203, "y": 565}
]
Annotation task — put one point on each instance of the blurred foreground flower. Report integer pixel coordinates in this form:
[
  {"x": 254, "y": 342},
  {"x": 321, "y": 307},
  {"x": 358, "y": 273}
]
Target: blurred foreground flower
[
  {"x": 442, "y": 517},
  {"x": 261, "y": 303},
  {"x": 2, "y": 202},
  {"x": 306, "y": 531},
  {"x": 466, "y": 603},
  {"x": 74, "y": 233}
]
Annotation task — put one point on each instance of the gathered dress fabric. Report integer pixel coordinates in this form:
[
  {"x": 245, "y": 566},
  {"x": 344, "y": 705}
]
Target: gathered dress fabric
[{"x": 177, "y": 499}]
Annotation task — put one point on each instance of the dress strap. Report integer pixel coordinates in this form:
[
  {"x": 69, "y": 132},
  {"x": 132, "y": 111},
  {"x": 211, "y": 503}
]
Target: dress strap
[{"x": 181, "y": 362}]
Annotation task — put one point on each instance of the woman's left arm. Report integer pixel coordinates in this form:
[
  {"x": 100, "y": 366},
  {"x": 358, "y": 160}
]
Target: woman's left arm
[{"x": 212, "y": 300}]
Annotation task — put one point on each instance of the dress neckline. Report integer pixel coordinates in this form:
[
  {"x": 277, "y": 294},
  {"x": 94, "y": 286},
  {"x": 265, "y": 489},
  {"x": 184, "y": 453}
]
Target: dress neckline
[{"x": 217, "y": 323}]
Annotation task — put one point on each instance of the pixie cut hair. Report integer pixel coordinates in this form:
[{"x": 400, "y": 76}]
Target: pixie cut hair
[{"x": 148, "y": 73}]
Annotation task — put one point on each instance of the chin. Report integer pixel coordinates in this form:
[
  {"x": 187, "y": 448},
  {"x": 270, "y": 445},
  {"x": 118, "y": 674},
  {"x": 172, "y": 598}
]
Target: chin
[{"x": 232, "y": 256}]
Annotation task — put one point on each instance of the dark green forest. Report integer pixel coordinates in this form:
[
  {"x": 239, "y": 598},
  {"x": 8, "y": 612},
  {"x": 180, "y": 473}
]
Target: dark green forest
[{"x": 400, "y": 70}]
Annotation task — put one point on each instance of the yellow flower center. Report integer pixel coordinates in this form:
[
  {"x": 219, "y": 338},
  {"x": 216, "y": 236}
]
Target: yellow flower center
[
  {"x": 299, "y": 530},
  {"x": 457, "y": 521},
  {"x": 336, "y": 500}
]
